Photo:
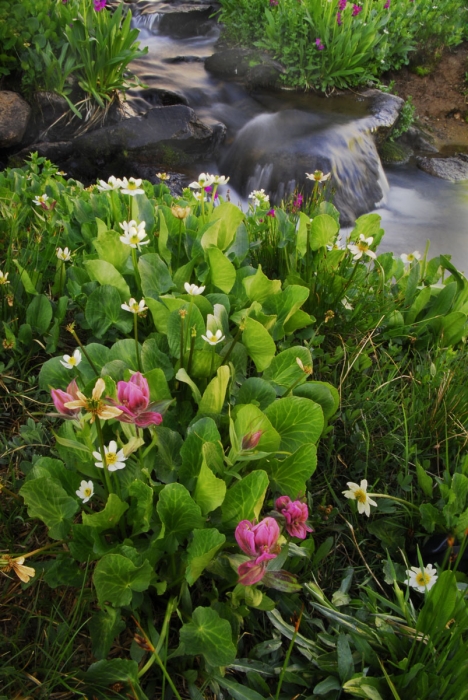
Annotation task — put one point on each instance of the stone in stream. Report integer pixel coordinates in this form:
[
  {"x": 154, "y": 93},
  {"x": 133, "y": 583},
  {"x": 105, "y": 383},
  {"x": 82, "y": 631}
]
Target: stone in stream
[
  {"x": 14, "y": 118},
  {"x": 454, "y": 169}
]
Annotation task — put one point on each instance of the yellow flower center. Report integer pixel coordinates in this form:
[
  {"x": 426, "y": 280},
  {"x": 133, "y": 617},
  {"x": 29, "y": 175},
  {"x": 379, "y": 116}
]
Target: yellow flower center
[
  {"x": 94, "y": 406},
  {"x": 360, "y": 495},
  {"x": 134, "y": 239},
  {"x": 131, "y": 186},
  {"x": 410, "y": 257},
  {"x": 422, "y": 579},
  {"x": 72, "y": 361},
  {"x": 111, "y": 458},
  {"x": 135, "y": 308},
  {"x": 362, "y": 245},
  {"x": 87, "y": 492}
]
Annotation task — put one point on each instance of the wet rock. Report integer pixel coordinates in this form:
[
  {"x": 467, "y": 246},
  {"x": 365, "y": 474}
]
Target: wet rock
[
  {"x": 275, "y": 151},
  {"x": 453, "y": 169},
  {"x": 385, "y": 110},
  {"x": 164, "y": 135},
  {"x": 57, "y": 152},
  {"x": 395, "y": 153},
  {"x": 181, "y": 20},
  {"x": 256, "y": 68},
  {"x": 160, "y": 97},
  {"x": 14, "y": 117},
  {"x": 417, "y": 139}
]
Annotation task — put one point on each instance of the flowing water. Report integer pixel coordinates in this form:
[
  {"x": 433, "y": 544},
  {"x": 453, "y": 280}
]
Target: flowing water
[{"x": 272, "y": 137}]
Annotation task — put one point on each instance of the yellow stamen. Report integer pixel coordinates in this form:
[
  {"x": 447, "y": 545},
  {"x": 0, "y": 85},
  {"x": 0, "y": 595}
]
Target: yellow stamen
[
  {"x": 422, "y": 579},
  {"x": 360, "y": 496}
]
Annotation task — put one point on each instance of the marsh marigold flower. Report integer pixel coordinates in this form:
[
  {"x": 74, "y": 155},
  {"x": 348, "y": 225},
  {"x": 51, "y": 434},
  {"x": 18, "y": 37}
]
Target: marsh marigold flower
[
  {"x": 358, "y": 492},
  {"x": 95, "y": 405}
]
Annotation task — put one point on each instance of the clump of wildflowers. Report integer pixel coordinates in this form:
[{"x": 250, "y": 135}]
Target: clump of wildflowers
[
  {"x": 356, "y": 10},
  {"x": 295, "y": 514},
  {"x": 260, "y": 543}
]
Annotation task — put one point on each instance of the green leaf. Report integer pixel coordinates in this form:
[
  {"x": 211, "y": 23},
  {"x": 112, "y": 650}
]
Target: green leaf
[
  {"x": 155, "y": 277},
  {"x": 125, "y": 351},
  {"x": 174, "y": 324},
  {"x": 182, "y": 376},
  {"x": 259, "y": 287},
  {"x": 39, "y": 313},
  {"x": 106, "y": 673},
  {"x": 259, "y": 343},
  {"x": 103, "y": 310},
  {"x": 257, "y": 392},
  {"x": 202, "y": 431},
  {"x": 424, "y": 480},
  {"x": 244, "y": 500},
  {"x": 439, "y": 605},
  {"x": 200, "y": 552},
  {"x": 159, "y": 389},
  {"x": 109, "y": 517},
  {"x": 214, "y": 395},
  {"x": 345, "y": 658},
  {"x": 116, "y": 576},
  {"x": 289, "y": 476},
  {"x": 105, "y": 273},
  {"x": 104, "y": 627},
  {"x": 284, "y": 306},
  {"x": 47, "y": 500},
  {"x": 141, "y": 508},
  {"x": 237, "y": 691},
  {"x": 209, "y": 491},
  {"x": 25, "y": 279},
  {"x": 323, "y": 393},
  {"x": 323, "y": 230},
  {"x": 230, "y": 218},
  {"x": 179, "y": 514},
  {"x": 223, "y": 272},
  {"x": 210, "y": 635},
  {"x": 163, "y": 238},
  {"x": 453, "y": 328},
  {"x": 152, "y": 357},
  {"x": 285, "y": 371},
  {"x": 250, "y": 419},
  {"x": 160, "y": 314},
  {"x": 54, "y": 375},
  {"x": 299, "y": 421},
  {"x": 111, "y": 249}
]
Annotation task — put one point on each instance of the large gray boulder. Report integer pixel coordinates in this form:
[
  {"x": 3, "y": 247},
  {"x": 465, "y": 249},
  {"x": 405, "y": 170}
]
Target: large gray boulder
[
  {"x": 14, "y": 117},
  {"x": 453, "y": 169},
  {"x": 165, "y": 136}
]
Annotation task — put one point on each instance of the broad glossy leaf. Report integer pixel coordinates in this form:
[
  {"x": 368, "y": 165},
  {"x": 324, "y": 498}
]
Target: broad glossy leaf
[
  {"x": 250, "y": 419},
  {"x": 289, "y": 476},
  {"x": 105, "y": 273},
  {"x": 39, "y": 313},
  {"x": 47, "y": 500},
  {"x": 200, "y": 552},
  {"x": 125, "y": 351},
  {"x": 210, "y": 491},
  {"x": 258, "y": 287},
  {"x": 323, "y": 229},
  {"x": 245, "y": 498},
  {"x": 179, "y": 514},
  {"x": 285, "y": 371},
  {"x": 284, "y": 306},
  {"x": 111, "y": 249},
  {"x": 109, "y": 517},
  {"x": 160, "y": 314},
  {"x": 116, "y": 576},
  {"x": 104, "y": 627},
  {"x": 54, "y": 375},
  {"x": 103, "y": 310},
  {"x": 99, "y": 355},
  {"x": 230, "y": 217},
  {"x": 202, "y": 431},
  {"x": 223, "y": 272},
  {"x": 25, "y": 279},
  {"x": 175, "y": 321},
  {"x": 141, "y": 507},
  {"x": 155, "y": 277},
  {"x": 159, "y": 389},
  {"x": 210, "y": 635},
  {"x": 299, "y": 421},
  {"x": 323, "y": 393},
  {"x": 238, "y": 691},
  {"x": 259, "y": 343},
  {"x": 214, "y": 395},
  {"x": 257, "y": 392},
  {"x": 152, "y": 357}
]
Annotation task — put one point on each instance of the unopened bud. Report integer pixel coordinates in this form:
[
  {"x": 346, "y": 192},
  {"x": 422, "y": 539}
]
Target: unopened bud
[{"x": 251, "y": 440}]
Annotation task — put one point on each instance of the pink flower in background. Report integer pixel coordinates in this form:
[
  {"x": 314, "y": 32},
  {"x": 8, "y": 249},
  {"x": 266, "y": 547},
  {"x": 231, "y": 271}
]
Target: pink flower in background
[
  {"x": 273, "y": 2},
  {"x": 356, "y": 10},
  {"x": 342, "y": 5},
  {"x": 298, "y": 201},
  {"x": 338, "y": 19},
  {"x": 295, "y": 514},
  {"x": 133, "y": 400},
  {"x": 387, "y": 5},
  {"x": 319, "y": 45},
  {"x": 99, "y": 5},
  {"x": 260, "y": 542},
  {"x": 60, "y": 398},
  {"x": 271, "y": 213}
]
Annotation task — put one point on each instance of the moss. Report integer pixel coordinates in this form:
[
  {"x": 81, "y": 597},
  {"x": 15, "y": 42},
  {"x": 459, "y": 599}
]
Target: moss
[{"x": 394, "y": 153}]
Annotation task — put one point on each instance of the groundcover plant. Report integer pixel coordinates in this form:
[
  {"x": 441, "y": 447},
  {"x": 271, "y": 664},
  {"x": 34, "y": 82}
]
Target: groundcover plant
[{"x": 209, "y": 386}]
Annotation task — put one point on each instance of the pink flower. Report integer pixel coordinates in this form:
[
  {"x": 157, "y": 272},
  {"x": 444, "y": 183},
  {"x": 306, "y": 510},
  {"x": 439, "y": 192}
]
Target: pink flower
[
  {"x": 298, "y": 201},
  {"x": 387, "y": 5},
  {"x": 60, "y": 398},
  {"x": 251, "y": 440},
  {"x": 319, "y": 45},
  {"x": 133, "y": 400},
  {"x": 342, "y": 5},
  {"x": 271, "y": 213},
  {"x": 356, "y": 10},
  {"x": 99, "y": 5},
  {"x": 338, "y": 19},
  {"x": 295, "y": 515},
  {"x": 260, "y": 542}
]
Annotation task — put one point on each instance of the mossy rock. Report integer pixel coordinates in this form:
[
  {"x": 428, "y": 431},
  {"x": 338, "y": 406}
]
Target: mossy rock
[{"x": 391, "y": 152}]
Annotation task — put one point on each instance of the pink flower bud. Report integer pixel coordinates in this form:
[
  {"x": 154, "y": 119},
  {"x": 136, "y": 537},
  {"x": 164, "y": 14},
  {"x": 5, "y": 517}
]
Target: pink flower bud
[
  {"x": 251, "y": 440},
  {"x": 133, "y": 400},
  {"x": 260, "y": 542},
  {"x": 295, "y": 514},
  {"x": 148, "y": 418},
  {"x": 250, "y": 572},
  {"x": 60, "y": 398}
]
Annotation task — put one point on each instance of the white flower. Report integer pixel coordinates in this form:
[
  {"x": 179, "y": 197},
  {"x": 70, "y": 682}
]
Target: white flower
[
  {"x": 40, "y": 199},
  {"x": 219, "y": 179},
  {"x": 193, "y": 290},
  {"x": 162, "y": 176},
  {"x": 114, "y": 460},
  {"x": 385, "y": 31},
  {"x": 204, "y": 180},
  {"x": 3, "y": 277},
  {"x": 305, "y": 368},
  {"x": 61, "y": 172},
  {"x": 71, "y": 361},
  {"x": 346, "y": 304},
  {"x": 213, "y": 338},
  {"x": 199, "y": 196},
  {"x": 113, "y": 183},
  {"x": 85, "y": 491},
  {"x": 421, "y": 579},
  {"x": 134, "y": 306},
  {"x": 359, "y": 494},
  {"x": 411, "y": 257},
  {"x": 64, "y": 254},
  {"x": 131, "y": 186},
  {"x": 134, "y": 234},
  {"x": 318, "y": 176},
  {"x": 259, "y": 197},
  {"x": 362, "y": 247}
]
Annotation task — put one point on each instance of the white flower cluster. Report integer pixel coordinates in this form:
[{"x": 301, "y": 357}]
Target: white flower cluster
[{"x": 132, "y": 186}]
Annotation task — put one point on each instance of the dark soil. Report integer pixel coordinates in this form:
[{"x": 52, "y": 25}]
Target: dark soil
[{"x": 441, "y": 98}]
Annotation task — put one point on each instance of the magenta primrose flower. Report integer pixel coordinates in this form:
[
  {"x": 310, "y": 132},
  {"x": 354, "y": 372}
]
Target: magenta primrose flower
[
  {"x": 60, "y": 398},
  {"x": 271, "y": 213},
  {"x": 342, "y": 5},
  {"x": 99, "y": 5},
  {"x": 298, "y": 201},
  {"x": 387, "y": 5},
  {"x": 339, "y": 21},
  {"x": 260, "y": 543},
  {"x": 356, "y": 10},
  {"x": 295, "y": 514},
  {"x": 133, "y": 400},
  {"x": 319, "y": 45}
]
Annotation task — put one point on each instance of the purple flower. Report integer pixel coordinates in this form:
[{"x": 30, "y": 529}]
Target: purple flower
[
  {"x": 259, "y": 542},
  {"x": 356, "y": 10},
  {"x": 338, "y": 19},
  {"x": 298, "y": 201},
  {"x": 273, "y": 2},
  {"x": 60, "y": 398},
  {"x": 271, "y": 213},
  {"x": 342, "y": 5},
  {"x": 387, "y": 5},
  {"x": 295, "y": 515},
  {"x": 99, "y": 5},
  {"x": 319, "y": 45},
  {"x": 133, "y": 400}
]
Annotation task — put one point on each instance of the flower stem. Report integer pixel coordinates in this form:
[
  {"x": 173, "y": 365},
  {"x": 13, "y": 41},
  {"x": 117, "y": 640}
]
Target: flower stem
[
  {"x": 288, "y": 656},
  {"x": 62, "y": 278},
  {"x": 38, "y": 551},
  {"x": 193, "y": 337},
  {"x": 234, "y": 341},
  {"x": 137, "y": 347},
  {"x": 394, "y": 498},
  {"x": 85, "y": 352},
  {"x": 103, "y": 455},
  {"x": 135, "y": 269},
  {"x": 182, "y": 341},
  {"x": 180, "y": 241}
]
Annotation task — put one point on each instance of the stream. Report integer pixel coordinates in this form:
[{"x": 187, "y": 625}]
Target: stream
[{"x": 415, "y": 207}]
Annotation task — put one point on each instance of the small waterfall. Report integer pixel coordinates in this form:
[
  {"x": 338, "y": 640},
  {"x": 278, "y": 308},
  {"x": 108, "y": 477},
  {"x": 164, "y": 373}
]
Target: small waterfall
[{"x": 149, "y": 21}]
